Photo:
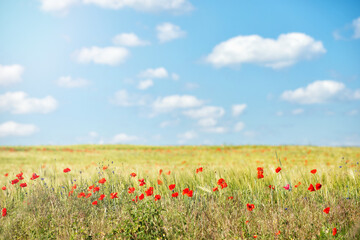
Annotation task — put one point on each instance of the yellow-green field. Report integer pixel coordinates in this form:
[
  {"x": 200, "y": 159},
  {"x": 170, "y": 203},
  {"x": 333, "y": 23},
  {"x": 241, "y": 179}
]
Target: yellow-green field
[{"x": 51, "y": 206}]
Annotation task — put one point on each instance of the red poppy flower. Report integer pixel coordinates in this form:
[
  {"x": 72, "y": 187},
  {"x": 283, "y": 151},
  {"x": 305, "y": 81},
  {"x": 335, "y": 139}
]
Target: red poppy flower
[
  {"x": 313, "y": 171},
  {"x": 246, "y": 222},
  {"x": 171, "y": 186},
  {"x": 334, "y": 231},
  {"x": 141, "y": 197},
  {"x": 150, "y": 191},
  {"x": 326, "y": 210},
  {"x": 220, "y": 181},
  {"x": 88, "y": 195},
  {"x": 215, "y": 189},
  {"x": 133, "y": 174},
  {"x": 4, "y": 212},
  {"x": 15, "y": 181},
  {"x": 131, "y": 190},
  {"x": 185, "y": 191},
  {"x": 160, "y": 171},
  {"x": 3, "y": 188},
  {"x": 311, "y": 188},
  {"x": 23, "y": 185},
  {"x": 190, "y": 193},
  {"x": 159, "y": 182},
  {"x": 82, "y": 194},
  {"x": 260, "y": 169},
  {"x": 74, "y": 187},
  {"x": 102, "y": 196},
  {"x": 176, "y": 194},
  {"x": 20, "y": 176},
  {"x": 278, "y": 233},
  {"x": 113, "y": 195},
  {"x": 157, "y": 197},
  {"x": 94, "y": 203},
  {"x": 260, "y": 175},
  {"x": 168, "y": 173},
  {"x": 6, "y": 174},
  {"x": 318, "y": 186},
  {"x": 67, "y": 170},
  {"x": 102, "y": 181},
  {"x": 278, "y": 169},
  {"x": 135, "y": 199},
  {"x": 271, "y": 187},
  {"x": 142, "y": 183},
  {"x": 90, "y": 188},
  {"x": 223, "y": 185},
  {"x": 71, "y": 192},
  {"x": 199, "y": 170},
  {"x": 96, "y": 189},
  {"x": 250, "y": 207},
  {"x": 34, "y": 176},
  {"x": 105, "y": 167},
  {"x": 255, "y": 236},
  {"x": 231, "y": 198},
  {"x": 298, "y": 184}
]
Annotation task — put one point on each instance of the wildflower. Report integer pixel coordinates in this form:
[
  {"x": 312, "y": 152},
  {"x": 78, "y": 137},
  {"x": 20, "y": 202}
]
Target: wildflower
[
  {"x": 82, "y": 194},
  {"x": 311, "y": 188},
  {"x": 94, "y": 203},
  {"x": 131, "y": 190},
  {"x": 176, "y": 194},
  {"x": 260, "y": 172},
  {"x": 171, "y": 186},
  {"x": 102, "y": 196},
  {"x": 255, "y": 236},
  {"x": 298, "y": 184},
  {"x": 278, "y": 169},
  {"x": 88, "y": 195},
  {"x": 313, "y": 171},
  {"x": 142, "y": 183},
  {"x": 246, "y": 222},
  {"x": 271, "y": 187},
  {"x": 157, "y": 197},
  {"x": 287, "y": 187},
  {"x": 168, "y": 173},
  {"x": 250, "y": 207},
  {"x": 6, "y": 174},
  {"x": 141, "y": 197},
  {"x": 23, "y": 185},
  {"x": 190, "y": 193},
  {"x": 334, "y": 231},
  {"x": 105, "y": 167},
  {"x": 67, "y": 170},
  {"x": 90, "y": 188},
  {"x": 231, "y": 198},
  {"x": 34, "y": 176},
  {"x": 223, "y": 185},
  {"x": 326, "y": 210},
  {"x": 160, "y": 171},
  {"x": 199, "y": 170},
  {"x": 135, "y": 199},
  {"x": 4, "y": 212},
  {"x": 102, "y": 181},
  {"x": 133, "y": 174},
  {"x": 220, "y": 181},
  {"x": 215, "y": 189},
  {"x": 113, "y": 195},
  {"x": 159, "y": 182},
  {"x": 278, "y": 233},
  {"x": 150, "y": 191},
  {"x": 20, "y": 176},
  {"x": 96, "y": 189},
  {"x": 71, "y": 192},
  {"x": 318, "y": 186},
  {"x": 3, "y": 188}
]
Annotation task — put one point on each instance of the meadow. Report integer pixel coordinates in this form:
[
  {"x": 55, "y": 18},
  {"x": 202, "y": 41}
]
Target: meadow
[{"x": 187, "y": 192}]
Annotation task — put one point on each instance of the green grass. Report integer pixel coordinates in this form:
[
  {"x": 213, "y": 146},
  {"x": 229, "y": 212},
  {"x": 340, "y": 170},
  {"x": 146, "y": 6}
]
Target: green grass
[{"x": 44, "y": 209}]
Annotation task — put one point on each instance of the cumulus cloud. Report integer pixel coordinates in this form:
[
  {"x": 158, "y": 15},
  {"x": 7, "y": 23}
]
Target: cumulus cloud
[
  {"x": 215, "y": 130},
  {"x": 124, "y": 138},
  {"x": 207, "y": 122},
  {"x": 205, "y": 112},
  {"x": 125, "y": 99},
  {"x": 239, "y": 126},
  {"x": 187, "y": 135},
  {"x": 107, "y": 55},
  {"x": 175, "y": 6},
  {"x": 145, "y": 84},
  {"x": 356, "y": 25},
  {"x": 160, "y": 72},
  {"x": 16, "y": 129},
  {"x": 129, "y": 40},
  {"x": 57, "y": 5},
  {"x": 320, "y": 92},
  {"x": 172, "y": 102},
  {"x": 168, "y": 31},
  {"x": 69, "y": 82},
  {"x": 282, "y": 52},
  {"x": 238, "y": 109},
  {"x": 20, "y": 103},
  {"x": 10, "y": 74}
]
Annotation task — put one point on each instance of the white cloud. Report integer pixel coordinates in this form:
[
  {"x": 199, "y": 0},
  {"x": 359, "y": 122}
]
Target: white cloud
[
  {"x": 16, "y": 129},
  {"x": 168, "y": 31},
  {"x": 129, "y": 40},
  {"x": 124, "y": 138},
  {"x": 175, "y": 76},
  {"x": 107, "y": 55},
  {"x": 154, "y": 73},
  {"x": 239, "y": 126},
  {"x": 69, "y": 82},
  {"x": 284, "y": 51},
  {"x": 20, "y": 103},
  {"x": 356, "y": 25},
  {"x": 124, "y": 99},
  {"x": 320, "y": 92},
  {"x": 297, "y": 111},
  {"x": 206, "y": 112},
  {"x": 207, "y": 122},
  {"x": 10, "y": 74},
  {"x": 238, "y": 109},
  {"x": 172, "y": 102},
  {"x": 175, "y": 6},
  {"x": 215, "y": 130},
  {"x": 145, "y": 84},
  {"x": 57, "y": 5},
  {"x": 187, "y": 135}
]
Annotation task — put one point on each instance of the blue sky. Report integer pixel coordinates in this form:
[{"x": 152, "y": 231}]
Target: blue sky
[{"x": 168, "y": 72}]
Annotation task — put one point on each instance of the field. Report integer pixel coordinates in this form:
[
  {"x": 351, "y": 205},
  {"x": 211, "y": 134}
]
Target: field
[{"x": 224, "y": 192}]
